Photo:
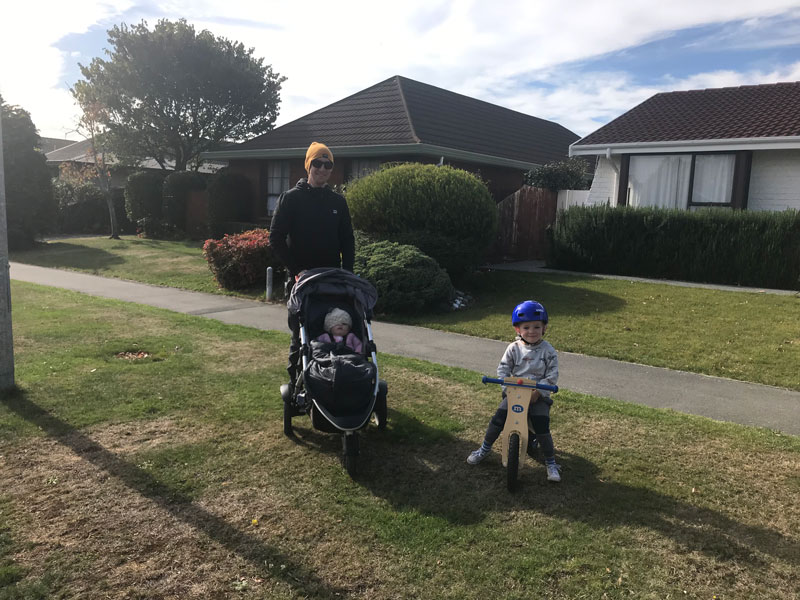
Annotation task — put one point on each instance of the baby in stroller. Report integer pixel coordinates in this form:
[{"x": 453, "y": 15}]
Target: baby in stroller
[{"x": 338, "y": 325}]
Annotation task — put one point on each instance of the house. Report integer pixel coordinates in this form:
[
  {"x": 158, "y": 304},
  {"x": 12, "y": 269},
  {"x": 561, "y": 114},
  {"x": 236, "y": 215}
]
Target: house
[
  {"x": 80, "y": 154},
  {"x": 400, "y": 120},
  {"x": 734, "y": 147},
  {"x": 48, "y": 144}
]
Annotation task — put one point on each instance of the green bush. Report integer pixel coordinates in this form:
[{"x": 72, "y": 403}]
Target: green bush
[
  {"x": 570, "y": 174},
  {"x": 81, "y": 209},
  {"x": 760, "y": 249},
  {"x": 177, "y": 190},
  {"x": 240, "y": 261},
  {"x": 447, "y": 213},
  {"x": 143, "y": 196},
  {"x": 230, "y": 198},
  {"x": 406, "y": 279}
]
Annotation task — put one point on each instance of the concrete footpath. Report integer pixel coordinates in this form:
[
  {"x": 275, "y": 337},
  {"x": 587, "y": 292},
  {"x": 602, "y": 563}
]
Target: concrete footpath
[{"x": 714, "y": 397}]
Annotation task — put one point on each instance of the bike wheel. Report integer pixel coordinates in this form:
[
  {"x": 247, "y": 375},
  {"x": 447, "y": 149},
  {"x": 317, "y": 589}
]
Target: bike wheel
[
  {"x": 350, "y": 457},
  {"x": 513, "y": 461}
]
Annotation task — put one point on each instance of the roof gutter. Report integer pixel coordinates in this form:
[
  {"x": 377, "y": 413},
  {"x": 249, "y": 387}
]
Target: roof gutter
[
  {"x": 375, "y": 151},
  {"x": 721, "y": 145}
]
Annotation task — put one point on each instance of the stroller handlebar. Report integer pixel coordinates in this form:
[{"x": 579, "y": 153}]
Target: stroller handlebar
[{"x": 522, "y": 383}]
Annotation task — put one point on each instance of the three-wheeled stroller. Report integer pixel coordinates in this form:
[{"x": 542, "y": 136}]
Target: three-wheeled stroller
[{"x": 338, "y": 388}]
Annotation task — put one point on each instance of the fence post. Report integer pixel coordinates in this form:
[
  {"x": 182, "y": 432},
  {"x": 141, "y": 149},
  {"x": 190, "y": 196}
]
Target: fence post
[{"x": 269, "y": 284}]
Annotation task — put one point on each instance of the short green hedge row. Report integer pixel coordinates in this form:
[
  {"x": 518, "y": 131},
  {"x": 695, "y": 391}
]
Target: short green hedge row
[{"x": 759, "y": 249}]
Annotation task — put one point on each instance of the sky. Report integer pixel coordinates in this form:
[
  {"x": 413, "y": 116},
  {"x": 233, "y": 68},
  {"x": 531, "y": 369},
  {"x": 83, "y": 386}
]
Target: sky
[{"x": 580, "y": 63}]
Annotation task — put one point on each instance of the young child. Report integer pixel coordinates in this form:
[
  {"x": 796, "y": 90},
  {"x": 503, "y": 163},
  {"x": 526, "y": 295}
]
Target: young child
[
  {"x": 337, "y": 327},
  {"x": 533, "y": 358}
]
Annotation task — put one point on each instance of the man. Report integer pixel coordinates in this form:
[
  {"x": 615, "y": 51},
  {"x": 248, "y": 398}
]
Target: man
[{"x": 311, "y": 228}]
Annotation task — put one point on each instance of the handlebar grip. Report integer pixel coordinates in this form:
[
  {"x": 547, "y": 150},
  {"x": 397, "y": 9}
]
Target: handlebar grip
[{"x": 538, "y": 386}]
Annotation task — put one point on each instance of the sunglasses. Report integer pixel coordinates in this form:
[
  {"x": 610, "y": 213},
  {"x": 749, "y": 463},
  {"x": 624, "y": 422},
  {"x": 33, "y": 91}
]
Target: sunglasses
[{"x": 322, "y": 164}]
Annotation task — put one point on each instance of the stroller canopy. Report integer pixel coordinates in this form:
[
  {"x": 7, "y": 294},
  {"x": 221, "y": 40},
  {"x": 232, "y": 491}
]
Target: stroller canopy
[{"x": 335, "y": 282}]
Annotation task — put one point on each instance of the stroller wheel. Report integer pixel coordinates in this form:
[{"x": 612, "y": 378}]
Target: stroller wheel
[
  {"x": 380, "y": 415},
  {"x": 350, "y": 456},
  {"x": 286, "y": 395},
  {"x": 287, "y": 419}
]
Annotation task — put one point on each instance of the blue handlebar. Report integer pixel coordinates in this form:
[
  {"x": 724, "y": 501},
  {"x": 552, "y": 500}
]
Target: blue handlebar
[{"x": 538, "y": 386}]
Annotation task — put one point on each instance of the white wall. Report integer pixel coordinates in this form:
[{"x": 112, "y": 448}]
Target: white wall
[
  {"x": 604, "y": 184},
  {"x": 775, "y": 180},
  {"x": 567, "y": 198}
]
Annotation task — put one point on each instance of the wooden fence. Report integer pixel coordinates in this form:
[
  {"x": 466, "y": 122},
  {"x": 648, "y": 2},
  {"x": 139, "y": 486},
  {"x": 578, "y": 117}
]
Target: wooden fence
[{"x": 523, "y": 220}]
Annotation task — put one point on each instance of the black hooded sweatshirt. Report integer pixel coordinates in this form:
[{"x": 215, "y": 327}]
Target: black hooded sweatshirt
[{"x": 311, "y": 228}]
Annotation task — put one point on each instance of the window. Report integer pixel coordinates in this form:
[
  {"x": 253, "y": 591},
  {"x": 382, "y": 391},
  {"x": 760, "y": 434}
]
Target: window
[
  {"x": 362, "y": 166},
  {"x": 277, "y": 182},
  {"x": 681, "y": 180},
  {"x": 661, "y": 181},
  {"x": 713, "y": 179}
]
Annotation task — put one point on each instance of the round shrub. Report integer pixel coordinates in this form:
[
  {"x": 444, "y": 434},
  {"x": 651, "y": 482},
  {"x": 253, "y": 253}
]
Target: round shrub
[
  {"x": 447, "y": 213},
  {"x": 240, "y": 261},
  {"x": 178, "y": 187},
  {"x": 143, "y": 196},
  {"x": 406, "y": 279}
]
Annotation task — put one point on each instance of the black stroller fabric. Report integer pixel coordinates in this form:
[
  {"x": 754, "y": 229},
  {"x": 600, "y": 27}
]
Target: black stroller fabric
[{"x": 341, "y": 381}]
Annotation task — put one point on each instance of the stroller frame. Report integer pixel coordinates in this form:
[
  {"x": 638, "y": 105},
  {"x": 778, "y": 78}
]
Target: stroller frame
[{"x": 340, "y": 288}]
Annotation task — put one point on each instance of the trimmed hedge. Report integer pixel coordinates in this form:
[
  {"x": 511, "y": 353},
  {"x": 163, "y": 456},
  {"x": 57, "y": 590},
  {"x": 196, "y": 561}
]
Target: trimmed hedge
[
  {"x": 240, "y": 261},
  {"x": 759, "y": 249},
  {"x": 230, "y": 197},
  {"x": 447, "y": 213},
  {"x": 406, "y": 279},
  {"x": 177, "y": 189},
  {"x": 143, "y": 192}
]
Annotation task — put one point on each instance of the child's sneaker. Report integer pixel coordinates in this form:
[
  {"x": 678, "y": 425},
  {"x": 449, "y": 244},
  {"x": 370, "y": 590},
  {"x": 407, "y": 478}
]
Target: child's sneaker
[
  {"x": 477, "y": 456},
  {"x": 552, "y": 473}
]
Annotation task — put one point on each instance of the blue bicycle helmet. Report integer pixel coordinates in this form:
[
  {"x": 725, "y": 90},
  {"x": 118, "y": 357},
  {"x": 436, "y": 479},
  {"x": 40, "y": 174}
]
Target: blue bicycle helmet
[{"x": 530, "y": 310}]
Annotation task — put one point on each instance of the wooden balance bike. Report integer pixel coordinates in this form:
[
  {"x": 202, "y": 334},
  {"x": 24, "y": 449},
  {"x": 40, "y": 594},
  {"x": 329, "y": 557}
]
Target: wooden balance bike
[{"x": 514, "y": 438}]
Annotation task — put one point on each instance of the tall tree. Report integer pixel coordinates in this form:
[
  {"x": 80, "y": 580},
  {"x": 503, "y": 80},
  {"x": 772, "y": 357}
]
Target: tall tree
[
  {"x": 171, "y": 93},
  {"x": 90, "y": 127},
  {"x": 30, "y": 205}
]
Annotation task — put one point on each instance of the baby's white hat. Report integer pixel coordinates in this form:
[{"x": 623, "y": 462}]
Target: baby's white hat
[{"x": 337, "y": 316}]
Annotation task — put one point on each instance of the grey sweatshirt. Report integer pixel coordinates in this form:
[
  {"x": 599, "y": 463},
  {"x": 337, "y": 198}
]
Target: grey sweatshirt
[{"x": 530, "y": 361}]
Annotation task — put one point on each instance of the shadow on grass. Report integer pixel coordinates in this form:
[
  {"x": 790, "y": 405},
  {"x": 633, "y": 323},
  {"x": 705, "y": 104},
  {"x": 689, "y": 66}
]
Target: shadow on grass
[
  {"x": 65, "y": 255},
  {"x": 418, "y": 467},
  {"x": 497, "y": 292},
  {"x": 180, "y": 506}
]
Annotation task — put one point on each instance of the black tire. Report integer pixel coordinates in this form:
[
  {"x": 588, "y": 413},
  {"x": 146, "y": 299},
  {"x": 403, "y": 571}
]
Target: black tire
[
  {"x": 287, "y": 420},
  {"x": 381, "y": 412},
  {"x": 350, "y": 456},
  {"x": 513, "y": 461}
]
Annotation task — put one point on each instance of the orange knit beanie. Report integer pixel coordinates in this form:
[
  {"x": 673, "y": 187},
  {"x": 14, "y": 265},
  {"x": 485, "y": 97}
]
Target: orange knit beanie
[{"x": 317, "y": 150}]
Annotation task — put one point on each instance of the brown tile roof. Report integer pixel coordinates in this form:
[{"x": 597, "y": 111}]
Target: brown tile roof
[
  {"x": 403, "y": 111},
  {"x": 769, "y": 110}
]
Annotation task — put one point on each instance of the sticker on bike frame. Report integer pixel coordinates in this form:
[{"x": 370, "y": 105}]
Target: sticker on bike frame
[{"x": 517, "y": 408}]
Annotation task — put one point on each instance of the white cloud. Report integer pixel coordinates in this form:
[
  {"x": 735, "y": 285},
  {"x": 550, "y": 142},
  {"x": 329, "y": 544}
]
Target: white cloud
[{"x": 328, "y": 51}]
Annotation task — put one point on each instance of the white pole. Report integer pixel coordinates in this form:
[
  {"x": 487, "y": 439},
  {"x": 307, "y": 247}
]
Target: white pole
[
  {"x": 6, "y": 337},
  {"x": 269, "y": 284}
]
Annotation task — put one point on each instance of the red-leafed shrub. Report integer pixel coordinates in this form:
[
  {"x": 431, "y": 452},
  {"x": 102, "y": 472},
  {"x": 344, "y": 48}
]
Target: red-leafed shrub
[{"x": 240, "y": 261}]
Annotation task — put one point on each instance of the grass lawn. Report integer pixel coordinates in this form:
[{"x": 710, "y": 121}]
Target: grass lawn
[
  {"x": 158, "y": 262},
  {"x": 746, "y": 336},
  {"x": 168, "y": 477}
]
